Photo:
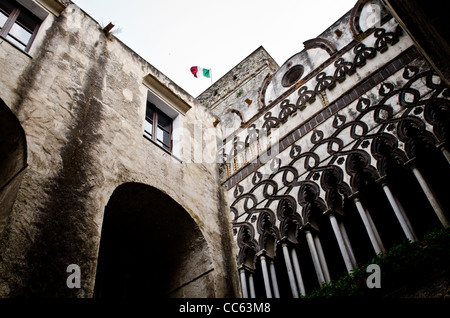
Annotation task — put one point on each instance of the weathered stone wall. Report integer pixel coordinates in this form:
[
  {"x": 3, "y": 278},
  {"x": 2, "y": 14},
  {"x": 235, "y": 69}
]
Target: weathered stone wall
[
  {"x": 81, "y": 100},
  {"x": 233, "y": 99}
]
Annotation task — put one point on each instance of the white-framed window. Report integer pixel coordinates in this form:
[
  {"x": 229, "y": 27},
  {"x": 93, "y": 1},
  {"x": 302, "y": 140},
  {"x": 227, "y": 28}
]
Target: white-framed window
[
  {"x": 158, "y": 126},
  {"x": 18, "y": 25},
  {"x": 162, "y": 123},
  {"x": 165, "y": 111}
]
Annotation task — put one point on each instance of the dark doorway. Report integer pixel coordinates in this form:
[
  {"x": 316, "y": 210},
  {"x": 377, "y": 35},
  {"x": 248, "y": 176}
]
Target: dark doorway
[
  {"x": 13, "y": 160},
  {"x": 151, "y": 247}
]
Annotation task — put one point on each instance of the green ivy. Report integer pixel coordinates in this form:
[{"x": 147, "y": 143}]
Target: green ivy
[{"x": 406, "y": 264}]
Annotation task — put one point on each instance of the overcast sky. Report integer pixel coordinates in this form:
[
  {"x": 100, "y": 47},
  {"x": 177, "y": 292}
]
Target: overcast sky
[{"x": 174, "y": 35}]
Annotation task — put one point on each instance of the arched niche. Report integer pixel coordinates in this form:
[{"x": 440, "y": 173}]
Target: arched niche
[
  {"x": 151, "y": 247},
  {"x": 13, "y": 160}
]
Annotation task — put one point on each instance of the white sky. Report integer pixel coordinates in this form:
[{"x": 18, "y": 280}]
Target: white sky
[{"x": 174, "y": 35}]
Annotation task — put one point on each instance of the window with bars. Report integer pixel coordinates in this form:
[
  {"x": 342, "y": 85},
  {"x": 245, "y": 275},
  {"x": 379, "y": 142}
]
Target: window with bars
[
  {"x": 158, "y": 127},
  {"x": 18, "y": 25}
]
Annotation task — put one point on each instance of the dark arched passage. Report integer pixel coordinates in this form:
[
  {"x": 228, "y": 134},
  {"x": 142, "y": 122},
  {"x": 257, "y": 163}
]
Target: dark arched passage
[
  {"x": 151, "y": 247},
  {"x": 13, "y": 160}
]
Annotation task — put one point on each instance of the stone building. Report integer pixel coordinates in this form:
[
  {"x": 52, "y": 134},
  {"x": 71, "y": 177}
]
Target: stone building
[
  {"x": 97, "y": 143},
  {"x": 115, "y": 182},
  {"x": 336, "y": 155}
]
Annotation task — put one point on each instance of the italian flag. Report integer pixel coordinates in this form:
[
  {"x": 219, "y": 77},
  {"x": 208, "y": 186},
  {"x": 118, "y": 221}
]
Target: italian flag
[{"x": 199, "y": 71}]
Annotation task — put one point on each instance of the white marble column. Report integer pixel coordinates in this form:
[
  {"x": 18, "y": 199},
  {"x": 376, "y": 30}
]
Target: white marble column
[
  {"x": 315, "y": 257},
  {"x": 298, "y": 273},
  {"x": 290, "y": 272},
  {"x": 273, "y": 276},
  {"x": 431, "y": 197},
  {"x": 266, "y": 278},
  {"x": 243, "y": 283},
  {"x": 445, "y": 152},
  {"x": 251, "y": 285},
  {"x": 348, "y": 244},
  {"x": 375, "y": 230},
  {"x": 341, "y": 242},
  {"x": 399, "y": 214},
  {"x": 402, "y": 210},
  {"x": 374, "y": 238},
  {"x": 323, "y": 262}
]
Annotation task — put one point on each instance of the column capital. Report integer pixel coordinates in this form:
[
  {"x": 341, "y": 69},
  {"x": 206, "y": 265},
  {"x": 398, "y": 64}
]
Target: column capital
[
  {"x": 309, "y": 227},
  {"x": 354, "y": 195},
  {"x": 284, "y": 241},
  {"x": 262, "y": 252},
  {"x": 441, "y": 145},
  {"x": 382, "y": 180},
  {"x": 333, "y": 212},
  {"x": 246, "y": 269},
  {"x": 411, "y": 162}
]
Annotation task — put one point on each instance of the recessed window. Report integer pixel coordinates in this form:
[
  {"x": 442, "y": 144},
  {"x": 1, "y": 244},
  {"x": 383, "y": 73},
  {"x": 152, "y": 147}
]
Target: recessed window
[
  {"x": 292, "y": 76},
  {"x": 18, "y": 25},
  {"x": 158, "y": 127}
]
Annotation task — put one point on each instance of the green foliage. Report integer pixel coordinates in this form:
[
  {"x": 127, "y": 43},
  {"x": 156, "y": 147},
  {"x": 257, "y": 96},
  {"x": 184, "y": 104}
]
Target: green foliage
[{"x": 406, "y": 264}]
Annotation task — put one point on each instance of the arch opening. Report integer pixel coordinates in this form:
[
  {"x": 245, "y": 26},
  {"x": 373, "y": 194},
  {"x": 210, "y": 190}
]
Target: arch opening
[
  {"x": 13, "y": 161},
  {"x": 151, "y": 247}
]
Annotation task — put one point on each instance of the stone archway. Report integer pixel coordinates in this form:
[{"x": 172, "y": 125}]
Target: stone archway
[
  {"x": 13, "y": 160},
  {"x": 151, "y": 247}
]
